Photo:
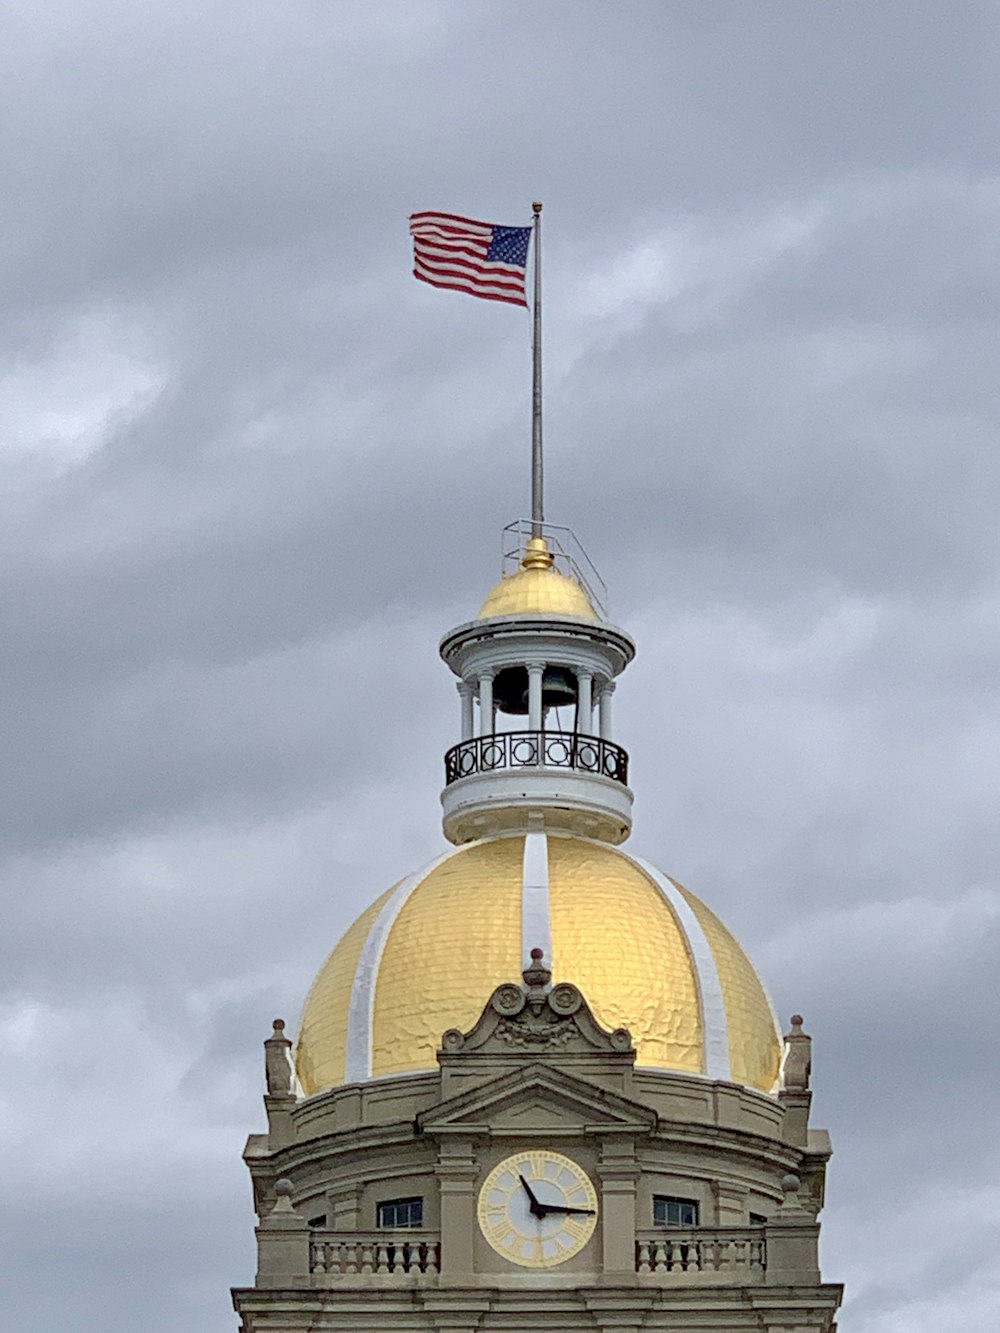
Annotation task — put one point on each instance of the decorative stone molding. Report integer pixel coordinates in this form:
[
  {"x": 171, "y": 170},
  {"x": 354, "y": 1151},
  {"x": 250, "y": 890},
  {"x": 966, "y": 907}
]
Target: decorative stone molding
[
  {"x": 795, "y": 1095},
  {"x": 537, "y": 1019},
  {"x": 277, "y": 1061},
  {"x": 280, "y": 1099},
  {"x": 798, "y": 1057}
]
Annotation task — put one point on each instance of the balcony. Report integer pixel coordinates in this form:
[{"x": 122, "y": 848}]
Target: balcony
[
  {"x": 552, "y": 780},
  {"x": 710, "y": 1256},
  {"x": 405, "y": 1258},
  {"x": 536, "y": 749},
  {"x": 665, "y": 1257}
]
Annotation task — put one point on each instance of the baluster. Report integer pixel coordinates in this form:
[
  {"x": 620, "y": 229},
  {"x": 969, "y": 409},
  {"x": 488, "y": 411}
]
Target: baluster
[
  {"x": 642, "y": 1256},
  {"x": 367, "y": 1258},
  {"x": 401, "y": 1257},
  {"x": 694, "y": 1256},
  {"x": 348, "y": 1258},
  {"x": 676, "y": 1257},
  {"x": 757, "y": 1255},
  {"x": 432, "y": 1262},
  {"x": 740, "y": 1255},
  {"x": 381, "y": 1257},
  {"x": 660, "y": 1264}
]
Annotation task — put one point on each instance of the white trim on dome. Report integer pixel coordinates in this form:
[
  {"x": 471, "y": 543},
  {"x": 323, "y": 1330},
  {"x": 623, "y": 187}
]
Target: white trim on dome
[
  {"x": 713, "y": 1004},
  {"x": 536, "y": 917},
  {"x": 361, "y": 1008}
]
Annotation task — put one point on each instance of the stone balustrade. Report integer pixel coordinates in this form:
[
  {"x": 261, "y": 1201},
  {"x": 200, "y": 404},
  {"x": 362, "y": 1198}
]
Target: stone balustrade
[
  {"x": 708, "y": 1254},
  {"x": 403, "y": 1256},
  {"x": 701, "y": 1256}
]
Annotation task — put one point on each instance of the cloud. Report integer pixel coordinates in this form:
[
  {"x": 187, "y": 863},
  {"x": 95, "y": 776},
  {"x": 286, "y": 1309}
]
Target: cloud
[{"x": 250, "y": 471}]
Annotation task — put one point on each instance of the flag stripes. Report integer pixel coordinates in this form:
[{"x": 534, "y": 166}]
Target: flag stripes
[{"x": 480, "y": 258}]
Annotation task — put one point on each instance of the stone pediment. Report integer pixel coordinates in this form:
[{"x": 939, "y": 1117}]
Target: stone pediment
[
  {"x": 537, "y": 1019},
  {"x": 537, "y": 1098}
]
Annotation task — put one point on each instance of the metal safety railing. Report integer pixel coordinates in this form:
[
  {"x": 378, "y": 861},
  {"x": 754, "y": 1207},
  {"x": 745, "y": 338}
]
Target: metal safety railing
[
  {"x": 567, "y": 552},
  {"x": 536, "y": 749}
]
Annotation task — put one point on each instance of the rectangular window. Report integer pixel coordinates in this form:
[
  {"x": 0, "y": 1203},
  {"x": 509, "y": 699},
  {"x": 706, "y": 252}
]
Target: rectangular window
[
  {"x": 758, "y": 1220},
  {"x": 670, "y": 1212},
  {"x": 397, "y": 1213}
]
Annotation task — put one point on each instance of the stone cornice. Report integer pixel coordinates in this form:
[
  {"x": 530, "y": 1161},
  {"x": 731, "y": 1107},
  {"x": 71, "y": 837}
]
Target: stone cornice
[{"x": 593, "y": 1109}]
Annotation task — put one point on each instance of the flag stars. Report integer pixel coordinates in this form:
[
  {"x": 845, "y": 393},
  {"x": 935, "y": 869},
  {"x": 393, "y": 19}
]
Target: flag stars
[{"x": 509, "y": 245}]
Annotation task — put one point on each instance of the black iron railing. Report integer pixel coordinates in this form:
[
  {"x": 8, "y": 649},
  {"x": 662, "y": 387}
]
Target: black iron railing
[{"x": 536, "y": 749}]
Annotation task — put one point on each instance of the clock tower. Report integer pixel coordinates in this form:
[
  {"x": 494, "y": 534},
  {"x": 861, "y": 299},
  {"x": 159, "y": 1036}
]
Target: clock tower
[{"x": 538, "y": 1083}]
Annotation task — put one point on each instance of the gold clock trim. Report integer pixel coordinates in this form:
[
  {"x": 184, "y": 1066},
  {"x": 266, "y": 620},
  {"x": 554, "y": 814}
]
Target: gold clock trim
[{"x": 503, "y": 1208}]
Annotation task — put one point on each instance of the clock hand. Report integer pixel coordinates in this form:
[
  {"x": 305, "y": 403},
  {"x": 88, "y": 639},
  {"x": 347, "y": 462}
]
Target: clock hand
[
  {"x": 559, "y": 1208},
  {"x": 535, "y": 1208}
]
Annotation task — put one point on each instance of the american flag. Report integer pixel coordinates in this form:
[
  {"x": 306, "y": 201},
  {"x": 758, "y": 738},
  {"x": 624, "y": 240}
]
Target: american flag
[{"x": 475, "y": 257}]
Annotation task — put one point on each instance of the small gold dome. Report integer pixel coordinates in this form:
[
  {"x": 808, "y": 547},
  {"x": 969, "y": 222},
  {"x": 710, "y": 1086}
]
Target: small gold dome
[
  {"x": 647, "y": 954},
  {"x": 537, "y": 588}
]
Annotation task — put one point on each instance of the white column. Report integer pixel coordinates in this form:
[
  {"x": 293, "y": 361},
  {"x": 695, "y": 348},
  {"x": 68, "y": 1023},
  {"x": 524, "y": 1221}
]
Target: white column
[
  {"x": 536, "y": 673},
  {"x": 607, "y": 690},
  {"x": 467, "y": 694},
  {"x": 584, "y": 702},
  {"x": 486, "y": 703}
]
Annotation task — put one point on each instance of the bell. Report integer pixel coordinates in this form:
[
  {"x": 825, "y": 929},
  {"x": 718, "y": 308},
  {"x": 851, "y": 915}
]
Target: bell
[
  {"x": 510, "y": 689},
  {"x": 558, "y": 688}
]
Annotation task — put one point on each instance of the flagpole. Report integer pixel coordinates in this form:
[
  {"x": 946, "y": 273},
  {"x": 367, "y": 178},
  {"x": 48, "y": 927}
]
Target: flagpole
[{"x": 537, "y": 475}]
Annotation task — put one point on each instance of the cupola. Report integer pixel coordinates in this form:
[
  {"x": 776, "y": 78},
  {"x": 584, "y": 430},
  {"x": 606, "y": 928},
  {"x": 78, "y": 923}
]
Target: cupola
[{"x": 536, "y": 673}]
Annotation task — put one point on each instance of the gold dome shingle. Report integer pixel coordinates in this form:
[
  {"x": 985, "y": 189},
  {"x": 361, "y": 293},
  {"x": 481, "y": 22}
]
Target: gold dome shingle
[
  {"x": 537, "y": 588},
  {"x": 427, "y": 955}
]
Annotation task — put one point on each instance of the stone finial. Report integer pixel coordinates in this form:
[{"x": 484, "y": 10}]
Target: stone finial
[
  {"x": 792, "y": 1239},
  {"x": 798, "y": 1056},
  {"x": 277, "y": 1061},
  {"x": 537, "y": 976},
  {"x": 793, "y": 1204},
  {"x": 282, "y": 1243}
]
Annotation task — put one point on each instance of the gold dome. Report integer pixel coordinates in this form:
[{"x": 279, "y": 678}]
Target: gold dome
[
  {"x": 647, "y": 954},
  {"x": 537, "y": 588}
]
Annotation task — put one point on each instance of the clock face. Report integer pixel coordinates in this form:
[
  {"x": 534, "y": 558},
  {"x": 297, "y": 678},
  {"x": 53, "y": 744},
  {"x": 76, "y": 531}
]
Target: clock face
[{"x": 537, "y": 1208}]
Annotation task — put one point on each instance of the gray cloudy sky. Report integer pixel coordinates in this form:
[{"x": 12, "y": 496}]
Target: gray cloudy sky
[{"x": 251, "y": 470}]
